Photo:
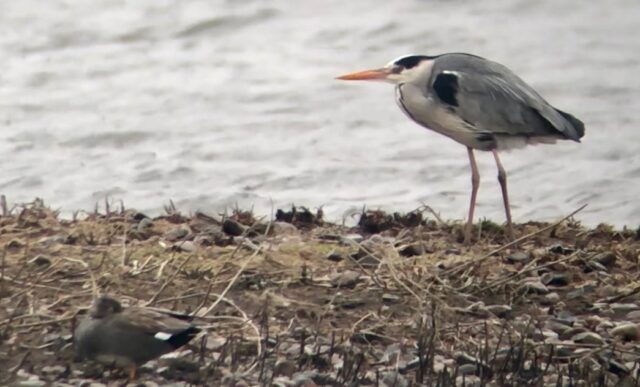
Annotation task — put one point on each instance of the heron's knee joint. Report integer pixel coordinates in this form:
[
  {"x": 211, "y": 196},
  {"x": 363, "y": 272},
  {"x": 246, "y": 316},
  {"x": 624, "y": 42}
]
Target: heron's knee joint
[
  {"x": 502, "y": 176},
  {"x": 475, "y": 179}
]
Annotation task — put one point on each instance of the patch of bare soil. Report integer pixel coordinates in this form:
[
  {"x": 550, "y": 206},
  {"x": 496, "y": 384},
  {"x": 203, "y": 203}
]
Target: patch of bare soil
[{"x": 395, "y": 301}]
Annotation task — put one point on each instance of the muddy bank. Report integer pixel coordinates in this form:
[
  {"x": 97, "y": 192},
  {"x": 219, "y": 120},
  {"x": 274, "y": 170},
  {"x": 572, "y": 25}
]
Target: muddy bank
[{"x": 395, "y": 301}]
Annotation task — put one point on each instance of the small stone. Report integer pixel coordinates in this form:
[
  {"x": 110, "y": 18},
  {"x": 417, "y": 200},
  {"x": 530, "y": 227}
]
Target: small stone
[
  {"x": 534, "y": 286},
  {"x": 588, "y": 338},
  {"x": 52, "y": 240},
  {"x": 233, "y": 228},
  {"x": 605, "y": 259},
  {"x": 285, "y": 367},
  {"x": 467, "y": 369},
  {"x": 394, "y": 379},
  {"x": 618, "y": 368},
  {"x": 627, "y": 332},
  {"x": 176, "y": 234},
  {"x": 144, "y": 224},
  {"x": 579, "y": 292},
  {"x": 620, "y": 307},
  {"x": 335, "y": 257},
  {"x": 555, "y": 279},
  {"x": 283, "y": 228},
  {"x": 468, "y": 381},
  {"x": 32, "y": 383},
  {"x": 346, "y": 279},
  {"x": 40, "y": 260},
  {"x": 565, "y": 317},
  {"x": 557, "y": 327},
  {"x": 390, "y": 298},
  {"x": 186, "y": 246},
  {"x": 203, "y": 240},
  {"x": 560, "y": 249},
  {"x": 351, "y": 239},
  {"x": 518, "y": 257},
  {"x": 501, "y": 311},
  {"x": 138, "y": 216},
  {"x": 412, "y": 250},
  {"x": 14, "y": 244},
  {"x": 54, "y": 370},
  {"x": 552, "y": 298},
  {"x": 634, "y": 315}
]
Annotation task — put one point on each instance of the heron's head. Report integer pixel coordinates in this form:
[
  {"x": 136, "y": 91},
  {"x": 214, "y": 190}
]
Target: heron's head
[{"x": 405, "y": 69}]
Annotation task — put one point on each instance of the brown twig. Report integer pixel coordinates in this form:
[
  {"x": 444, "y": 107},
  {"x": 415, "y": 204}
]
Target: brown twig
[
  {"x": 231, "y": 282},
  {"x": 166, "y": 283}
]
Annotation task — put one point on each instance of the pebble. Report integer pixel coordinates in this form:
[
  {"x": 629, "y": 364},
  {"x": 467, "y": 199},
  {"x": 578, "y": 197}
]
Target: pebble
[
  {"x": 48, "y": 241},
  {"x": 176, "y": 234},
  {"x": 467, "y": 369},
  {"x": 468, "y": 381},
  {"x": 560, "y": 249},
  {"x": 588, "y": 338},
  {"x": 56, "y": 370},
  {"x": 285, "y": 367},
  {"x": 626, "y": 331},
  {"x": 618, "y": 307},
  {"x": 283, "y": 228},
  {"x": 335, "y": 257},
  {"x": 144, "y": 224},
  {"x": 346, "y": 279},
  {"x": 233, "y": 228},
  {"x": 619, "y": 369},
  {"x": 557, "y": 327},
  {"x": 519, "y": 257},
  {"x": 555, "y": 279},
  {"x": 534, "y": 286},
  {"x": 186, "y": 246},
  {"x": 579, "y": 292},
  {"x": 41, "y": 260},
  {"x": 413, "y": 250},
  {"x": 552, "y": 298},
  {"x": 394, "y": 379},
  {"x": 350, "y": 239},
  {"x": 32, "y": 383},
  {"x": 634, "y": 315},
  {"x": 605, "y": 259}
]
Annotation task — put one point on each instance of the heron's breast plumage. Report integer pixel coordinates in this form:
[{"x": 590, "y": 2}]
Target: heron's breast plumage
[{"x": 430, "y": 113}]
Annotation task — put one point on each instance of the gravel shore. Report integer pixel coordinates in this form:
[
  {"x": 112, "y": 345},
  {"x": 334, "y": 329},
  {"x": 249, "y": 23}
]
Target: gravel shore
[{"x": 397, "y": 300}]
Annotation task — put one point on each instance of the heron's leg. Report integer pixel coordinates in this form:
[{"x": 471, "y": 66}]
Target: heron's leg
[
  {"x": 132, "y": 372},
  {"x": 502, "y": 178},
  {"x": 475, "y": 184}
]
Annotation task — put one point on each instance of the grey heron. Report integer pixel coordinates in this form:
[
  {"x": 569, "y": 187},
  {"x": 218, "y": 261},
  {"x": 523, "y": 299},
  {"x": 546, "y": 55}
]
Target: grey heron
[{"x": 478, "y": 103}]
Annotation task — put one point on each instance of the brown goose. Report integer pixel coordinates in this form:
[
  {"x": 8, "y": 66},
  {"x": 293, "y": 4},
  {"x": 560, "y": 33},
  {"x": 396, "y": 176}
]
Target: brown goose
[{"x": 128, "y": 338}]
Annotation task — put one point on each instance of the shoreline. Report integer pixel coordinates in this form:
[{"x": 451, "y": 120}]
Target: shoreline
[{"x": 394, "y": 300}]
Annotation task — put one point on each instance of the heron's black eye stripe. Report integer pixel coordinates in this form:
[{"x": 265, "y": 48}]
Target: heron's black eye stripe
[
  {"x": 446, "y": 88},
  {"x": 410, "y": 61}
]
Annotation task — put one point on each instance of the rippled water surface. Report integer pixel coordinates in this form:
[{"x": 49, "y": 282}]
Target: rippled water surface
[{"x": 212, "y": 103}]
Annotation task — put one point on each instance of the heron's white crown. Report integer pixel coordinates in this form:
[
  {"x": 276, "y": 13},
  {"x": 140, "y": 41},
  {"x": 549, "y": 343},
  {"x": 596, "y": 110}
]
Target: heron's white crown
[{"x": 399, "y": 74}]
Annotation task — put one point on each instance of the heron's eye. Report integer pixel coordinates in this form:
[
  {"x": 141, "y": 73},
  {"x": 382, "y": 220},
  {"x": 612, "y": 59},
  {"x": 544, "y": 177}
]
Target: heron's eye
[{"x": 396, "y": 69}]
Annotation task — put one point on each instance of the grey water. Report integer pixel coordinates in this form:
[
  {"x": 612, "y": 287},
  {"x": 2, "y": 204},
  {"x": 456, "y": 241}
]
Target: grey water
[{"x": 223, "y": 102}]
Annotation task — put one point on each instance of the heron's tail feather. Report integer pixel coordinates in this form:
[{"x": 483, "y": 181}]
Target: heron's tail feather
[{"x": 577, "y": 125}]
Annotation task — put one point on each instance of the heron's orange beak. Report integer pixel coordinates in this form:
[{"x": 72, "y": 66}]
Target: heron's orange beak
[{"x": 366, "y": 75}]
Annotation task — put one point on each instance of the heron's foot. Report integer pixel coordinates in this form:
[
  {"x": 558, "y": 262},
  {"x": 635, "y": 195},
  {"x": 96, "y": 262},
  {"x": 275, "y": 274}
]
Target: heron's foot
[
  {"x": 510, "y": 235},
  {"x": 132, "y": 371},
  {"x": 468, "y": 230}
]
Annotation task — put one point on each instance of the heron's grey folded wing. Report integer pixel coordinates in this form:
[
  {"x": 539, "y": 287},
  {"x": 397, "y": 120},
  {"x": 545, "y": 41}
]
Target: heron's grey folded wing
[{"x": 493, "y": 99}]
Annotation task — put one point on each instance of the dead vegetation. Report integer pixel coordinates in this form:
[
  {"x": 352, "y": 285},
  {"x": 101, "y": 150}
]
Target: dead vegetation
[{"x": 394, "y": 301}]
